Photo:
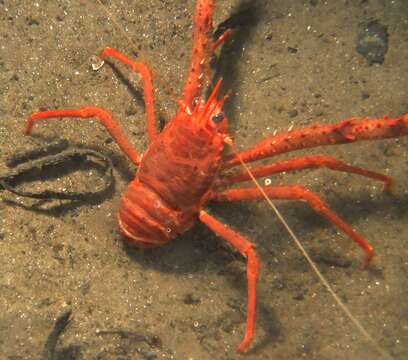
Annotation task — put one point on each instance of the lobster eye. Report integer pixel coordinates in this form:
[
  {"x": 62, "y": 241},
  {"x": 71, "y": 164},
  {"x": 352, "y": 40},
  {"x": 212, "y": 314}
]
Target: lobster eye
[{"x": 217, "y": 118}]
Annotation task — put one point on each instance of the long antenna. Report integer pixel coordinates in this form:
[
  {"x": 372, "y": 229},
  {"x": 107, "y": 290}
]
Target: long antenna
[{"x": 312, "y": 264}]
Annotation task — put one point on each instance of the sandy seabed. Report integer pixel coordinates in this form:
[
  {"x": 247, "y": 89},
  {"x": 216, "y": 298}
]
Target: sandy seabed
[{"x": 296, "y": 65}]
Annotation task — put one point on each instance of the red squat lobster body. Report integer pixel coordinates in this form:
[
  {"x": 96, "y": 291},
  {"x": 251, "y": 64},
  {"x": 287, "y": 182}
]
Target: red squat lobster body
[{"x": 183, "y": 166}]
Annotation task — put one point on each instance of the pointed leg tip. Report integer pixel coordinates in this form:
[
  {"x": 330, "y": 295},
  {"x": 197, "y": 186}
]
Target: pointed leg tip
[
  {"x": 105, "y": 53},
  {"x": 367, "y": 260},
  {"x": 243, "y": 347},
  {"x": 29, "y": 127},
  {"x": 388, "y": 187}
]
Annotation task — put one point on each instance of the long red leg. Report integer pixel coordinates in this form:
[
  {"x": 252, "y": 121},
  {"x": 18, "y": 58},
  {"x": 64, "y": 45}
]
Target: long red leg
[
  {"x": 146, "y": 75},
  {"x": 246, "y": 248},
  {"x": 301, "y": 163},
  {"x": 348, "y": 130},
  {"x": 296, "y": 192},
  {"x": 103, "y": 116}
]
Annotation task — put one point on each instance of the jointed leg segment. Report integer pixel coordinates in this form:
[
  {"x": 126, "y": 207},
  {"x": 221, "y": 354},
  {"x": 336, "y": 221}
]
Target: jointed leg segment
[
  {"x": 297, "y": 192},
  {"x": 146, "y": 75},
  {"x": 246, "y": 248},
  {"x": 302, "y": 163},
  {"x": 102, "y": 115},
  {"x": 346, "y": 131}
]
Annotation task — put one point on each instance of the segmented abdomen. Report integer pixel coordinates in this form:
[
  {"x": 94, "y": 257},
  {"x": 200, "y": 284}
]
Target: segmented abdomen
[
  {"x": 147, "y": 220},
  {"x": 171, "y": 184}
]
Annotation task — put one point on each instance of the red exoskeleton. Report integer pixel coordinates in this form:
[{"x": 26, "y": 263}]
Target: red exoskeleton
[{"x": 184, "y": 167}]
